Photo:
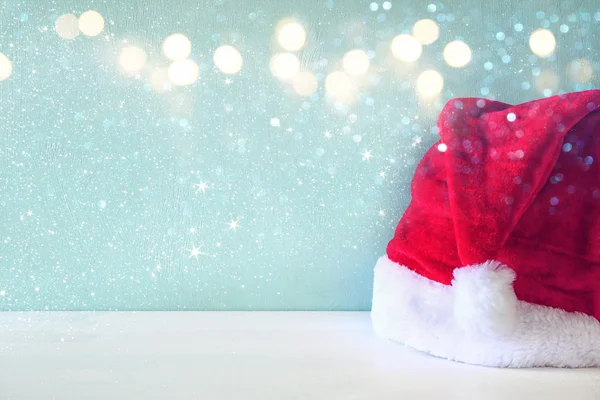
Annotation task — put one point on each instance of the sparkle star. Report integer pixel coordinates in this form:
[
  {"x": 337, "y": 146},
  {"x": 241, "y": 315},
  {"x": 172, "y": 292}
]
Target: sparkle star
[
  {"x": 195, "y": 252},
  {"x": 30, "y": 213},
  {"x": 366, "y": 156},
  {"x": 328, "y": 134},
  {"x": 228, "y": 81},
  {"x": 200, "y": 187},
  {"x": 382, "y": 174},
  {"x": 192, "y": 230},
  {"x": 233, "y": 225},
  {"x": 382, "y": 213}
]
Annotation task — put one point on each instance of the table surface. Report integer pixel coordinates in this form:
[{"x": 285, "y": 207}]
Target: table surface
[{"x": 245, "y": 355}]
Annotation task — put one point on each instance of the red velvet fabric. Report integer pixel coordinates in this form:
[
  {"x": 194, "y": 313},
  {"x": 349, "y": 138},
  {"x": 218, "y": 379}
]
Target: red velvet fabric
[{"x": 517, "y": 184}]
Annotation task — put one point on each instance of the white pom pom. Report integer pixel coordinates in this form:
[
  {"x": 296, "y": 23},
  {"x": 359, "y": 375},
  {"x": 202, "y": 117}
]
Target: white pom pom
[{"x": 484, "y": 299}]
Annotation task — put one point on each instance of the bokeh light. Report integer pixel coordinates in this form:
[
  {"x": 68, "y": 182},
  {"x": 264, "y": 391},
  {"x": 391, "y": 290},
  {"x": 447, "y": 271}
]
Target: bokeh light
[
  {"x": 547, "y": 82},
  {"x": 177, "y": 47},
  {"x": 305, "y": 83},
  {"x": 159, "y": 80},
  {"x": 67, "y": 26},
  {"x": 580, "y": 71},
  {"x": 5, "y": 67},
  {"x": 426, "y": 31},
  {"x": 228, "y": 60},
  {"x": 132, "y": 59},
  {"x": 430, "y": 84},
  {"x": 542, "y": 43},
  {"x": 356, "y": 62},
  {"x": 457, "y": 54},
  {"x": 183, "y": 72},
  {"x": 284, "y": 66},
  {"x": 91, "y": 23},
  {"x": 340, "y": 86},
  {"x": 290, "y": 34},
  {"x": 406, "y": 48}
]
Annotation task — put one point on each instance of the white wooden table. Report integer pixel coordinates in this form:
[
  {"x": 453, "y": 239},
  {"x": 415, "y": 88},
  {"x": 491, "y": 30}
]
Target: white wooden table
[{"x": 228, "y": 355}]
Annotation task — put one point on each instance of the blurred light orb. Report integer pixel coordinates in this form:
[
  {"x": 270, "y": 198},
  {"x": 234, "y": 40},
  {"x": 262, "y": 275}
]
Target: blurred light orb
[
  {"x": 426, "y": 31},
  {"x": 91, "y": 23},
  {"x": 177, "y": 47},
  {"x": 228, "y": 60},
  {"x": 542, "y": 43},
  {"x": 284, "y": 66},
  {"x": 305, "y": 83},
  {"x": 356, "y": 62},
  {"x": 183, "y": 72},
  {"x": 580, "y": 71},
  {"x": 457, "y": 54},
  {"x": 406, "y": 48},
  {"x": 547, "y": 80},
  {"x": 290, "y": 34},
  {"x": 340, "y": 86},
  {"x": 159, "y": 80},
  {"x": 132, "y": 59},
  {"x": 67, "y": 26},
  {"x": 430, "y": 83},
  {"x": 5, "y": 67}
]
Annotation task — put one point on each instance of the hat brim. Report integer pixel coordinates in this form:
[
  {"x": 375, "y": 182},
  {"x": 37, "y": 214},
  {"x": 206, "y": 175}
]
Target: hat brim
[{"x": 478, "y": 319}]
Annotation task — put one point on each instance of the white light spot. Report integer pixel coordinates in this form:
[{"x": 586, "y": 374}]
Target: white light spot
[
  {"x": 275, "y": 122},
  {"x": 132, "y": 59},
  {"x": 579, "y": 71},
  {"x": 183, "y": 72},
  {"x": 284, "y": 66},
  {"x": 339, "y": 86},
  {"x": 356, "y": 62},
  {"x": 457, "y": 54},
  {"x": 442, "y": 148},
  {"x": 91, "y": 23},
  {"x": 542, "y": 43},
  {"x": 291, "y": 35},
  {"x": 228, "y": 60},
  {"x": 547, "y": 80},
  {"x": 406, "y": 48},
  {"x": 102, "y": 204},
  {"x": 177, "y": 47},
  {"x": 305, "y": 83},
  {"x": 67, "y": 26},
  {"x": 430, "y": 83},
  {"x": 511, "y": 117},
  {"x": 5, "y": 67},
  {"x": 426, "y": 31},
  {"x": 233, "y": 225},
  {"x": 159, "y": 80}
]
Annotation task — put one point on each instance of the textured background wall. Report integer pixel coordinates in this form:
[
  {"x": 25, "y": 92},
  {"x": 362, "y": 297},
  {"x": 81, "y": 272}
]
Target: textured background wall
[{"x": 126, "y": 182}]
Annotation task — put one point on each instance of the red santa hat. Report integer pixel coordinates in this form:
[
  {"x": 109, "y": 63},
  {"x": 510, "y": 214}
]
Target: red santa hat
[{"x": 496, "y": 261}]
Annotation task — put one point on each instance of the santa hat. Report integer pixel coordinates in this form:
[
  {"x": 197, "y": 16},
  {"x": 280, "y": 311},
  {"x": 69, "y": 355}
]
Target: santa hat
[{"x": 496, "y": 261}]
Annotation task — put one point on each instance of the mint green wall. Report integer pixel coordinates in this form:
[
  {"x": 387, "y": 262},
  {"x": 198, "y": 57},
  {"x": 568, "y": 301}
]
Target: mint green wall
[{"x": 98, "y": 203}]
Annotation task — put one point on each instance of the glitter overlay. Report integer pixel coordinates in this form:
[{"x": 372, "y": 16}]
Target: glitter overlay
[{"x": 240, "y": 154}]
